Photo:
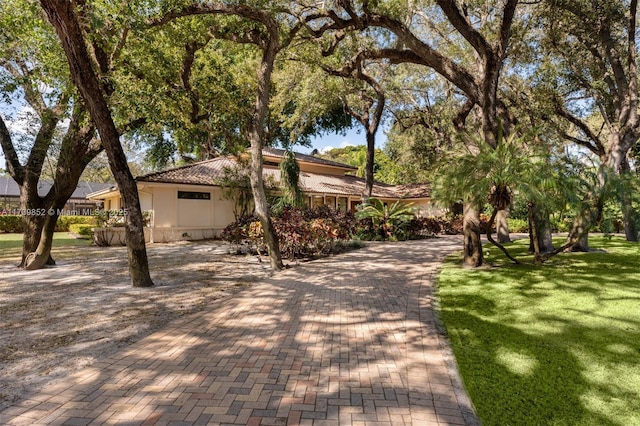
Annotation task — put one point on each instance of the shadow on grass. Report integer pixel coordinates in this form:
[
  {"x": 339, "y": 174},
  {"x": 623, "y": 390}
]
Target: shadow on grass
[{"x": 555, "y": 344}]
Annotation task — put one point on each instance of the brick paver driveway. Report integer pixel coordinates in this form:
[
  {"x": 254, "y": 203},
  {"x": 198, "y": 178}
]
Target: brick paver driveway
[{"x": 347, "y": 340}]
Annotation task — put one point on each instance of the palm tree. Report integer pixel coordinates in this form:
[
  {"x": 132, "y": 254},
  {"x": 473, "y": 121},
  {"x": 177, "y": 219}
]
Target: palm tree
[
  {"x": 482, "y": 174},
  {"x": 386, "y": 218}
]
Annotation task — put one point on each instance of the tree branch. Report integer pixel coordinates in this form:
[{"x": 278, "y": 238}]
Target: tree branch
[
  {"x": 15, "y": 169},
  {"x": 464, "y": 27}
]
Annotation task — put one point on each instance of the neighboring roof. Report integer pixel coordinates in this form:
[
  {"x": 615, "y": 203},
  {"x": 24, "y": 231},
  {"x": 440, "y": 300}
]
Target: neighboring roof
[
  {"x": 414, "y": 190},
  {"x": 201, "y": 173},
  {"x": 342, "y": 185},
  {"x": 209, "y": 172},
  {"x": 278, "y": 153},
  {"x": 9, "y": 188}
]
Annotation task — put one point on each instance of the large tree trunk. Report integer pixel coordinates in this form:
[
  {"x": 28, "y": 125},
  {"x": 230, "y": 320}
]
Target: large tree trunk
[
  {"x": 256, "y": 136},
  {"x": 617, "y": 160},
  {"x": 502, "y": 227},
  {"x": 629, "y": 219},
  {"x": 76, "y": 151},
  {"x": 471, "y": 231},
  {"x": 580, "y": 230},
  {"x": 540, "y": 225},
  {"x": 62, "y": 16},
  {"x": 41, "y": 256},
  {"x": 368, "y": 173},
  {"x": 33, "y": 220}
]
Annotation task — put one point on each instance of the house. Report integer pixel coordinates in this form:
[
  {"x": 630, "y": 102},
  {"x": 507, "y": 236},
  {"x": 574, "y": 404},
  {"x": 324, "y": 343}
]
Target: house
[
  {"x": 188, "y": 203},
  {"x": 78, "y": 204}
]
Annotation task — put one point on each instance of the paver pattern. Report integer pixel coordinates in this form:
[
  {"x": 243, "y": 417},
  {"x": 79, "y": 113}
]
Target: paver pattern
[{"x": 346, "y": 340}]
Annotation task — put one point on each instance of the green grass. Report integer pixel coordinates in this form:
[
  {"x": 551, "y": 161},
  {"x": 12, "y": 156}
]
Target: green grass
[
  {"x": 11, "y": 244},
  {"x": 557, "y": 344}
]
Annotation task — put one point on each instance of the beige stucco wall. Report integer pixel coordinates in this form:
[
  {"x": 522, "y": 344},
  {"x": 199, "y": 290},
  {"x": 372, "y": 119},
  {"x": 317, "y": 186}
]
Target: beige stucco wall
[
  {"x": 426, "y": 208},
  {"x": 196, "y": 213},
  {"x": 164, "y": 206},
  {"x": 169, "y": 211},
  {"x": 146, "y": 200},
  {"x": 222, "y": 209},
  {"x": 113, "y": 202}
]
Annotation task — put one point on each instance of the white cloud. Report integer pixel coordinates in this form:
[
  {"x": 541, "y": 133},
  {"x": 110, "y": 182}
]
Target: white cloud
[{"x": 343, "y": 144}]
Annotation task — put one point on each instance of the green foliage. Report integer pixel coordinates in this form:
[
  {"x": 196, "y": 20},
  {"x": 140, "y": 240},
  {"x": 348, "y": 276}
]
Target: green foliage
[
  {"x": 13, "y": 223},
  {"x": 302, "y": 232},
  {"x": 82, "y": 230},
  {"x": 64, "y": 223},
  {"x": 236, "y": 187},
  {"x": 518, "y": 225},
  {"x": 26, "y": 38},
  {"x": 292, "y": 195},
  {"x": 387, "y": 220},
  {"x": 384, "y": 169},
  {"x": 10, "y": 223},
  {"x": 418, "y": 139},
  {"x": 562, "y": 339},
  {"x": 482, "y": 173},
  {"x": 108, "y": 219}
]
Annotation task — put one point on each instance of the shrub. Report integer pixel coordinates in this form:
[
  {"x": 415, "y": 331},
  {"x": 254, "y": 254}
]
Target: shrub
[
  {"x": 383, "y": 221},
  {"x": 11, "y": 223},
  {"x": 518, "y": 225},
  {"x": 64, "y": 222},
  {"x": 82, "y": 229},
  {"x": 302, "y": 232}
]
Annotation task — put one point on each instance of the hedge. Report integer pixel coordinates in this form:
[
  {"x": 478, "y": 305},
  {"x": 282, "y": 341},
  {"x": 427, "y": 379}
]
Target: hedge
[
  {"x": 64, "y": 222},
  {"x": 82, "y": 230},
  {"x": 13, "y": 223}
]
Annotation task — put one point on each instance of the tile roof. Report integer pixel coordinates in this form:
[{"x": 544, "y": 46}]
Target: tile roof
[
  {"x": 414, "y": 190},
  {"x": 9, "y": 188},
  {"x": 277, "y": 153},
  {"x": 201, "y": 173},
  {"x": 209, "y": 172}
]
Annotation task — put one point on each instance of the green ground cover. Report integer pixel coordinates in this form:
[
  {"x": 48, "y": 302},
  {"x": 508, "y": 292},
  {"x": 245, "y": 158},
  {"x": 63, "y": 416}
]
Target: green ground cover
[
  {"x": 557, "y": 344},
  {"x": 11, "y": 244}
]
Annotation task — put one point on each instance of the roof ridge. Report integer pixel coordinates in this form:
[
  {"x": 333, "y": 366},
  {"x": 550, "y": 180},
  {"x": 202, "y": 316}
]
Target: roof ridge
[
  {"x": 311, "y": 158},
  {"x": 186, "y": 166}
]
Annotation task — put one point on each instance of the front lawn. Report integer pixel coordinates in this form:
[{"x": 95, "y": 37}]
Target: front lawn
[
  {"x": 557, "y": 344},
  {"x": 11, "y": 244}
]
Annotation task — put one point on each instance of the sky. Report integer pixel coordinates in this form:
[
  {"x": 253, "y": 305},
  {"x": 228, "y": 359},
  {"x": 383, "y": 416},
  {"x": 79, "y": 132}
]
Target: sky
[
  {"x": 352, "y": 138},
  {"x": 330, "y": 141}
]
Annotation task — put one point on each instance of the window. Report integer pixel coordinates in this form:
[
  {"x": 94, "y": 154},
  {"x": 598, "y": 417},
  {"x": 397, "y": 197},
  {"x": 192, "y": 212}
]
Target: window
[
  {"x": 342, "y": 204},
  {"x": 317, "y": 201},
  {"x": 330, "y": 201},
  {"x": 192, "y": 195}
]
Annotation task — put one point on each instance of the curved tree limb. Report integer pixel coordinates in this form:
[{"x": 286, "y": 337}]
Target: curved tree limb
[{"x": 497, "y": 244}]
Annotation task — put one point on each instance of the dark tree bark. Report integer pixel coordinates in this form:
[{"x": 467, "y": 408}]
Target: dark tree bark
[
  {"x": 369, "y": 114},
  {"x": 77, "y": 150},
  {"x": 64, "y": 19},
  {"x": 256, "y": 136},
  {"x": 473, "y": 256},
  {"x": 27, "y": 176},
  {"x": 497, "y": 243},
  {"x": 540, "y": 225},
  {"x": 502, "y": 227}
]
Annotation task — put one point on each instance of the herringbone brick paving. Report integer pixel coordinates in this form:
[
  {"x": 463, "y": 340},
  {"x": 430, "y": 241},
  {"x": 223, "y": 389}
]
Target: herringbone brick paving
[{"x": 347, "y": 340}]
